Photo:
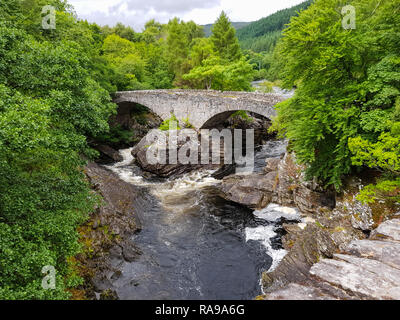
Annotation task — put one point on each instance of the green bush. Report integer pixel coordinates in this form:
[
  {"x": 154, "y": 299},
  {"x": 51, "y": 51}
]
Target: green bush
[{"x": 172, "y": 122}]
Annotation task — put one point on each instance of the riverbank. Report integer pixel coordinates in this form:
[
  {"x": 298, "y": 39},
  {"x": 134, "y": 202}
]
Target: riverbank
[
  {"x": 316, "y": 225},
  {"x": 106, "y": 234},
  {"x": 328, "y": 226}
]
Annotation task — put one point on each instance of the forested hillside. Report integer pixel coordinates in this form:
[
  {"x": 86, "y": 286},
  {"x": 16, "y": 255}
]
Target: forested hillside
[
  {"x": 236, "y": 25},
  {"x": 263, "y": 34},
  {"x": 259, "y": 39}
]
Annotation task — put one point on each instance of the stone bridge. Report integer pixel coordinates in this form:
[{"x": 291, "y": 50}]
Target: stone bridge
[{"x": 203, "y": 109}]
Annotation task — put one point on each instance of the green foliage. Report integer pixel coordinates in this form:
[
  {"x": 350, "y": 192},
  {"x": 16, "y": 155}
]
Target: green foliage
[
  {"x": 221, "y": 75},
  {"x": 116, "y": 135},
  {"x": 384, "y": 190},
  {"x": 384, "y": 154},
  {"x": 347, "y": 84},
  {"x": 242, "y": 115},
  {"x": 49, "y": 105},
  {"x": 224, "y": 39},
  {"x": 171, "y": 124},
  {"x": 268, "y": 86},
  {"x": 263, "y": 34},
  {"x": 236, "y": 25},
  {"x": 136, "y": 66},
  {"x": 264, "y": 43}
]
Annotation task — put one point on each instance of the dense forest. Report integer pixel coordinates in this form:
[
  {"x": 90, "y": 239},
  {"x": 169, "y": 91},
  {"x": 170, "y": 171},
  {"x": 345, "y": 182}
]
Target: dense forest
[
  {"x": 263, "y": 34},
  {"x": 55, "y": 88},
  {"x": 345, "y": 115},
  {"x": 259, "y": 39}
]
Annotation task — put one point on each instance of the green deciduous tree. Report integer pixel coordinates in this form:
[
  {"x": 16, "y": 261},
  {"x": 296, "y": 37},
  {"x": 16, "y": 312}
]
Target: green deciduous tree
[
  {"x": 347, "y": 82},
  {"x": 49, "y": 106}
]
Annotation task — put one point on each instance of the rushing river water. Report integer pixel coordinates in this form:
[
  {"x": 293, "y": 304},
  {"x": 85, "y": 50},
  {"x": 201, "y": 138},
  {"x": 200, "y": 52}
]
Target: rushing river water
[{"x": 196, "y": 245}]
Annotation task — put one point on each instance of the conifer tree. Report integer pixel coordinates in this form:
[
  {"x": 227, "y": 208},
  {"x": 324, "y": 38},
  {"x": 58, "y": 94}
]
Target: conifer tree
[{"x": 224, "y": 39}]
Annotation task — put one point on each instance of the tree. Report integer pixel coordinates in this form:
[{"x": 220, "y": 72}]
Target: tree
[
  {"x": 224, "y": 39},
  {"x": 347, "y": 83},
  {"x": 49, "y": 107},
  {"x": 215, "y": 73},
  {"x": 179, "y": 40},
  {"x": 202, "y": 49}
]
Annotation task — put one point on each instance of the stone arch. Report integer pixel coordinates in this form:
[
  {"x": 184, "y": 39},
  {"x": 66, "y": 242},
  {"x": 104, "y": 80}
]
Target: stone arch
[
  {"x": 128, "y": 112},
  {"x": 219, "y": 118}
]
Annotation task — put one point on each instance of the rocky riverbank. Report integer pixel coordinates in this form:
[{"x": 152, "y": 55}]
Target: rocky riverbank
[
  {"x": 366, "y": 270},
  {"x": 107, "y": 233},
  {"x": 329, "y": 222}
]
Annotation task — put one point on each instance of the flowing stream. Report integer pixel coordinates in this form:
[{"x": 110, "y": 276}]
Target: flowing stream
[{"x": 195, "y": 244}]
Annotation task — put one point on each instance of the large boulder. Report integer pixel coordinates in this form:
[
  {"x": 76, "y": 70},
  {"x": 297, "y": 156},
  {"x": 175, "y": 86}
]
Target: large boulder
[
  {"x": 254, "y": 191},
  {"x": 163, "y": 168},
  {"x": 108, "y": 154}
]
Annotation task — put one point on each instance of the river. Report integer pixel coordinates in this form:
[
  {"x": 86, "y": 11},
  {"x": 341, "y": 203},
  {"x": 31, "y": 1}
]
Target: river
[{"x": 195, "y": 244}]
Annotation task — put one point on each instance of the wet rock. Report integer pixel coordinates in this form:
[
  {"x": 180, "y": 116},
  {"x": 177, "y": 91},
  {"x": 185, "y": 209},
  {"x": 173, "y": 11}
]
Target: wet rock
[
  {"x": 130, "y": 252},
  {"x": 101, "y": 283},
  {"x": 114, "y": 221},
  {"x": 293, "y": 189},
  {"x": 365, "y": 277},
  {"x": 164, "y": 167},
  {"x": 271, "y": 164},
  {"x": 298, "y": 292},
  {"x": 108, "y": 154},
  {"x": 116, "y": 252},
  {"x": 108, "y": 295},
  {"x": 254, "y": 191},
  {"x": 118, "y": 209},
  {"x": 388, "y": 230},
  {"x": 387, "y": 252},
  {"x": 306, "y": 247},
  {"x": 361, "y": 215},
  {"x": 224, "y": 171},
  {"x": 307, "y": 243},
  {"x": 284, "y": 186}
]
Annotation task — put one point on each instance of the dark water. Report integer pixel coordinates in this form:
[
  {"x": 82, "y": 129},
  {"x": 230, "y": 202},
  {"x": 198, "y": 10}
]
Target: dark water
[{"x": 195, "y": 245}]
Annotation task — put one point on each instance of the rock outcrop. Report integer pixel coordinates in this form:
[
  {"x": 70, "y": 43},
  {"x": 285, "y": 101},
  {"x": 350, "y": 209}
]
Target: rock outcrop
[
  {"x": 107, "y": 233},
  {"x": 307, "y": 243},
  {"x": 328, "y": 256},
  {"x": 366, "y": 269},
  {"x": 164, "y": 167},
  {"x": 191, "y": 140},
  {"x": 282, "y": 182}
]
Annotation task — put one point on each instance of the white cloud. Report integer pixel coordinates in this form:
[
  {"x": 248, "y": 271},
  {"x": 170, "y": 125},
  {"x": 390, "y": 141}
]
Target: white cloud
[{"x": 137, "y": 12}]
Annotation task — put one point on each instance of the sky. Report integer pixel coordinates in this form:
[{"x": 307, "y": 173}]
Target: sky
[{"x": 136, "y": 13}]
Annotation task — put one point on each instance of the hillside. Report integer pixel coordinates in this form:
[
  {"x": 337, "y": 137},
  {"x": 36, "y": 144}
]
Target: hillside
[
  {"x": 263, "y": 34},
  {"x": 236, "y": 25}
]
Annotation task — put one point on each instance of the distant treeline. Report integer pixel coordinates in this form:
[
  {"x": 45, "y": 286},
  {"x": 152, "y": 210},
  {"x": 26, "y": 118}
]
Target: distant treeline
[{"x": 263, "y": 34}]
